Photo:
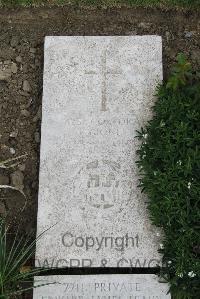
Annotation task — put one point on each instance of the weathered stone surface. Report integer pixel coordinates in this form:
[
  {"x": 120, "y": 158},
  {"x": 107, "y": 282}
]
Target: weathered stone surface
[
  {"x": 126, "y": 286},
  {"x": 97, "y": 92}
]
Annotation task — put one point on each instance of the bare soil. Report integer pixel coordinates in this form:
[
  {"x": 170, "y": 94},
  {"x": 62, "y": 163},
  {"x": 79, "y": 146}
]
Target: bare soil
[{"x": 22, "y": 33}]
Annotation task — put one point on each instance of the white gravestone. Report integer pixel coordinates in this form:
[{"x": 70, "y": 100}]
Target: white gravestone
[
  {"x": 97, "y": 92},
  {"x": 126, "y": 286}
]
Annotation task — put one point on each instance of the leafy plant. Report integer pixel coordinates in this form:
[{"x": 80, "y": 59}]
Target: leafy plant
[
  {"x": 169, "y": 164},
  {"x": 15, "y": 276},
  {"x": 180, "y": 73}
]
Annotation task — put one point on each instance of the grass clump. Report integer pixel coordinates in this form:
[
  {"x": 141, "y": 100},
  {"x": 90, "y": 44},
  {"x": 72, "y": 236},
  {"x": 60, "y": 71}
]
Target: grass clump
[
  {"x": 169, "y": 163},
  {"x": 16, "y": 273}
]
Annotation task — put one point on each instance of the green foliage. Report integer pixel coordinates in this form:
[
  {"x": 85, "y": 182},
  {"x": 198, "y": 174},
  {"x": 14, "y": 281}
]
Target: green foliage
[
  {"x": 15, "y": 276},
  {"x": 169, "y": 164},
  {"x": 180, "y": 74}
]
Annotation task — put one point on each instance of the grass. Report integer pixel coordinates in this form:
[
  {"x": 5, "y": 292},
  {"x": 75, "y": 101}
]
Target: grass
[
  {"x": 146, "y": 3},
  {"x": 16, "y": 273},
  {"x": 169, "y": 163},
  {"x": 15, "y": 276}
]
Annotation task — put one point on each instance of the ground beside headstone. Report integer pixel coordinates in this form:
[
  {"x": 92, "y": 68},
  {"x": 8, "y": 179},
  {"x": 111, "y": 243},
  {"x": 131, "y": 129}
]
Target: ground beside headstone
[
  {"x": 97, "y": 92},
  {"x": 126, "y": 286}
]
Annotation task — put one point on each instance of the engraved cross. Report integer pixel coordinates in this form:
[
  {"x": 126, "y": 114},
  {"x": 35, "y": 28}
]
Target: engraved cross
[{"x": 104, "y": 72}]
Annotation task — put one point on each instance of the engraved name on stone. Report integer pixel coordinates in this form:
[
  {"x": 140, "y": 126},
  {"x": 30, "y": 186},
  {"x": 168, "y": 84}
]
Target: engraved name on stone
[{"x": 116, "y": 286}]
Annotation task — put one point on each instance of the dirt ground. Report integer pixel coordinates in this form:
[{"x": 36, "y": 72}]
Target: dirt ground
[{"x": 22, "y": 33}]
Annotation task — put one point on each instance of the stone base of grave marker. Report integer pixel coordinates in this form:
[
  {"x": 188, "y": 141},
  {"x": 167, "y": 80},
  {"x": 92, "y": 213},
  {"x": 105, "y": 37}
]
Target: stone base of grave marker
[
  {"x": 110, "y": 286},
  {"x": 98, "y": 90}
]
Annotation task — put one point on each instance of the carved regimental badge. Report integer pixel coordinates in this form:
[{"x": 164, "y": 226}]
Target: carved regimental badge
[{"x": 98, "y": 183}]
